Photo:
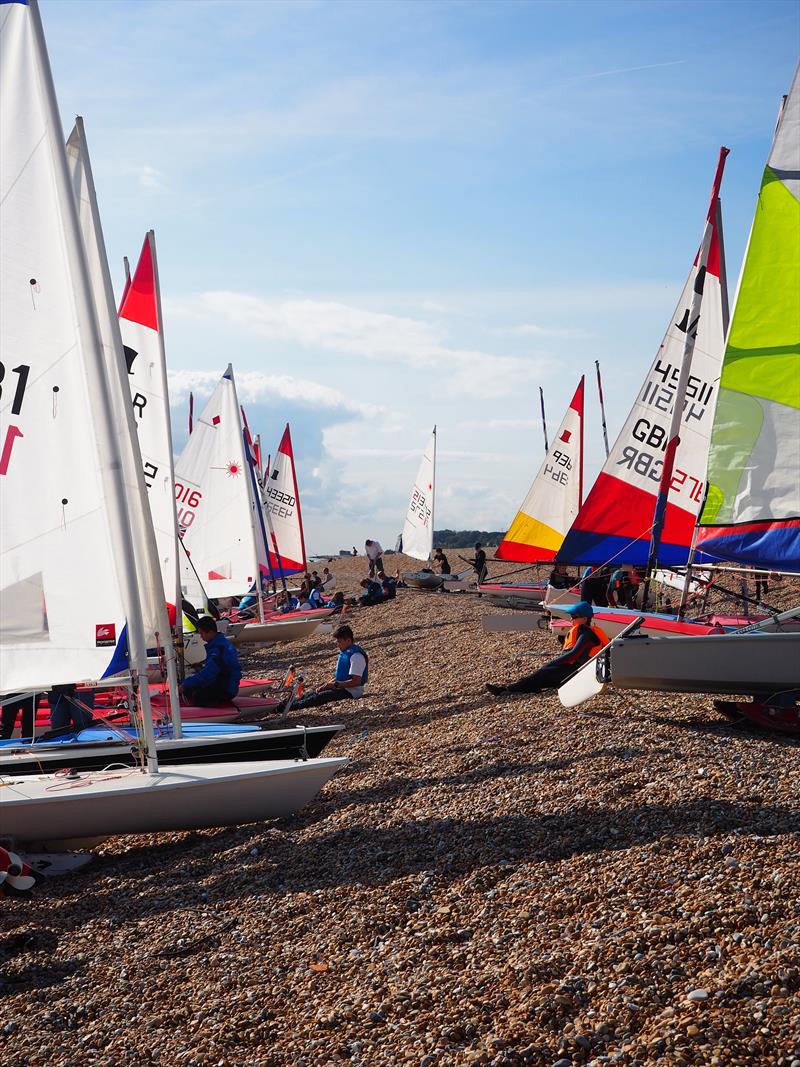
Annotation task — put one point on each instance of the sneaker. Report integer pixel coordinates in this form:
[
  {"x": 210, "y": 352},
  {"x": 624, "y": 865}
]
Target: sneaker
[{"x": 495, "y": 690}]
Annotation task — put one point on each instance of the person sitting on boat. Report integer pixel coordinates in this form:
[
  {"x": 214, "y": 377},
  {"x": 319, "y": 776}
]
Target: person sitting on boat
[
  {"x": 67, "y": 711},
  {"x": 581, "y": 643},
  {"x": 479, "y": 563},
  {"x": 315, "y": 596},
  {"x": 352, "y": 672},
  {"x": 286, "y": 602},
  {"x": 374, "y": 555},
  {"x": 373, "y": 594},
  {"x": 441, "y": 559},
  {"x": 217, "y": 682},
  {"x": 559, "y": 577},
  {"x": 328, "y": 580}
]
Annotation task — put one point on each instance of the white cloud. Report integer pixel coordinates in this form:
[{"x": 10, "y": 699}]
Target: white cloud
[
  {"x": 254, "y": 387},
  {"x": 528, "y": 329},
  {"x": 334, "y": 326},
  {"x": 148, "y": 178}
]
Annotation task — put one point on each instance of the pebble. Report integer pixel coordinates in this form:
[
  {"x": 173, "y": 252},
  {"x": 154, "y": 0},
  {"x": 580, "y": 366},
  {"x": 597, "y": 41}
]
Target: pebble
[{"x": 469, "y": 900}]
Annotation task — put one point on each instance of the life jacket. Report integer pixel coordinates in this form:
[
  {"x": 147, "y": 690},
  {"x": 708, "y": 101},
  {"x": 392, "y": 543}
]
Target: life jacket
[
  {"x": 343, "y": 664},
  {"x": 572, "y": 636}
]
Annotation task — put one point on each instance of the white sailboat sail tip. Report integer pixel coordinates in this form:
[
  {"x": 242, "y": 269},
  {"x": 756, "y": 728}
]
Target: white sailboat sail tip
[
  {"x": 417, "y": 535},
  {"x": 214, "y": 497}
]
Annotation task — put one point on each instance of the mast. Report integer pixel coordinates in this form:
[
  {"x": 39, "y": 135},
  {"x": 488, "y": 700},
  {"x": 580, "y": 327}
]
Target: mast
[
  {"x": 178, "y": 630},
  {"x": 255, "y": 502},
  {"x": 602, "y": 406},
  {"x": 433, "y": 492},
  {"x": 147, "y": 557},
  {"x": 103, "y": 409},
  {"x": 191, "y": 412},
  {"x": 673, "y": 438},
  {"x": 544, "y": 421}
]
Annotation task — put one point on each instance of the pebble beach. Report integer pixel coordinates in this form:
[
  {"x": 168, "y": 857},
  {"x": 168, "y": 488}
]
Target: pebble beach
[{"x": 489, "y": 882}]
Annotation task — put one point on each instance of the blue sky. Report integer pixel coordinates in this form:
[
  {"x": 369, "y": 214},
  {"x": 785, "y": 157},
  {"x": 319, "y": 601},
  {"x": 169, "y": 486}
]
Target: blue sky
[{"x": 393, "y": 214}]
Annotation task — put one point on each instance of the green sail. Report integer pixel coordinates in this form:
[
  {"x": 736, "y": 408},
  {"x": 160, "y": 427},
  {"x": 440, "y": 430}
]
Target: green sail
[{"x": 752, "y": 508}]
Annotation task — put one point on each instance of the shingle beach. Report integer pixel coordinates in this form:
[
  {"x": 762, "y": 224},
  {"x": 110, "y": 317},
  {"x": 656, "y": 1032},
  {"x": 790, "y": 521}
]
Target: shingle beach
[{"x": 489, "y": 882}]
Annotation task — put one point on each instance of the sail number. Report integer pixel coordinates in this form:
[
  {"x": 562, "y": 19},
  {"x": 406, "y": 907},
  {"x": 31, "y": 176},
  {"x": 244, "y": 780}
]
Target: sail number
[
  {"x": 650, "y": 466},
  {"x": 559, "y": 472},
  {"x": 419, "y": 507},
  {"x": 187, "y": 499},
  {"x": 13, "y": 432}
]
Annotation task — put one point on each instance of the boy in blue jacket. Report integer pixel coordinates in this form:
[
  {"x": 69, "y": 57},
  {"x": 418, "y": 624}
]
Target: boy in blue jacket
[{"x": 217, "y": 682}]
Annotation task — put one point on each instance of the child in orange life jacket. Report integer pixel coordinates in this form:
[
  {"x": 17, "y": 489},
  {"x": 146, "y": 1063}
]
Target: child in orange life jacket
[{"x": 581, "y": 643}]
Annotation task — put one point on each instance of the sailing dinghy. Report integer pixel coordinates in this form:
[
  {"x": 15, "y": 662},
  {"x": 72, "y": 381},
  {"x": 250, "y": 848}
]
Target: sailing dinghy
[
  {"x": 61, "y": 432},
  {"x": 221, "y": 518},
  {"x": 99, "y": 746},
  {"x": 416, "y": 539},
  {"x": 547, "y": 512},
  {"x": 752, "y": 511}
]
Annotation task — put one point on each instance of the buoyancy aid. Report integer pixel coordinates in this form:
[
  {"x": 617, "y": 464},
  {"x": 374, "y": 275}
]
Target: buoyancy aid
[
  {"x": 572, "y": 636},
  {"x": 343, "y": 664}
]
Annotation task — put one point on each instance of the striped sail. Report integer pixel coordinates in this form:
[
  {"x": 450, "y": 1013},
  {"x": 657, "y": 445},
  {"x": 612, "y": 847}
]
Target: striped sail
[
  {"x": 288, "y": 552},
  {"x": 553, "y": 500},
  {"x": 752, "y": 510},
  {"x": 616, "y": 518}
]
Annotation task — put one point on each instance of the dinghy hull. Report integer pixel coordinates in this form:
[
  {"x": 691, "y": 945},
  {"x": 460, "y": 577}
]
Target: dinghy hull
[
  {"x": 270, "y": 633},
  {"x": 46, "y": 807},
  {"x": 756, "y": 663},
  {"x": 202, "y": 746}
]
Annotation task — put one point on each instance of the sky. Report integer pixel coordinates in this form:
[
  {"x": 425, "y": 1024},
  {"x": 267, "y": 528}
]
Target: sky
[{"x": 394, "y": 215}]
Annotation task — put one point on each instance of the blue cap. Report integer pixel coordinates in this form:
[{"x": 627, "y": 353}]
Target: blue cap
[{"x": 583, "y": 608}]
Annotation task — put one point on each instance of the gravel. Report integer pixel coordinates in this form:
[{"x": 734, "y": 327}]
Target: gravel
[{"x": 490, "y": 882}]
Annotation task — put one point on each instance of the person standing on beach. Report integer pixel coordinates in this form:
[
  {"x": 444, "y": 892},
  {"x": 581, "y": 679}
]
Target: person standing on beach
[
  {"x": 352, "y": 672},
  {"x": 479, "y": 562},
  {"x": 581, "y": 643},
  {"x": 374, "y": 555},
  {"x": 441, "y": 559}
]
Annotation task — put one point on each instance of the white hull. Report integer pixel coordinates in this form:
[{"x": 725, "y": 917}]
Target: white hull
[
  {"x": 270, "y": 633},
  {"x": 46, "y": 807},
  {"x": 727, "y": 663}
]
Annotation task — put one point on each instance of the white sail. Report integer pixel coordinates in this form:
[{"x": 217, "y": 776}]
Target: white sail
[
  {"x": 417, "y": 536},
  {"x": 216, "y": 517},
  {"x": 143, "y": 338},
  {"x": 63, "y": 520}
]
